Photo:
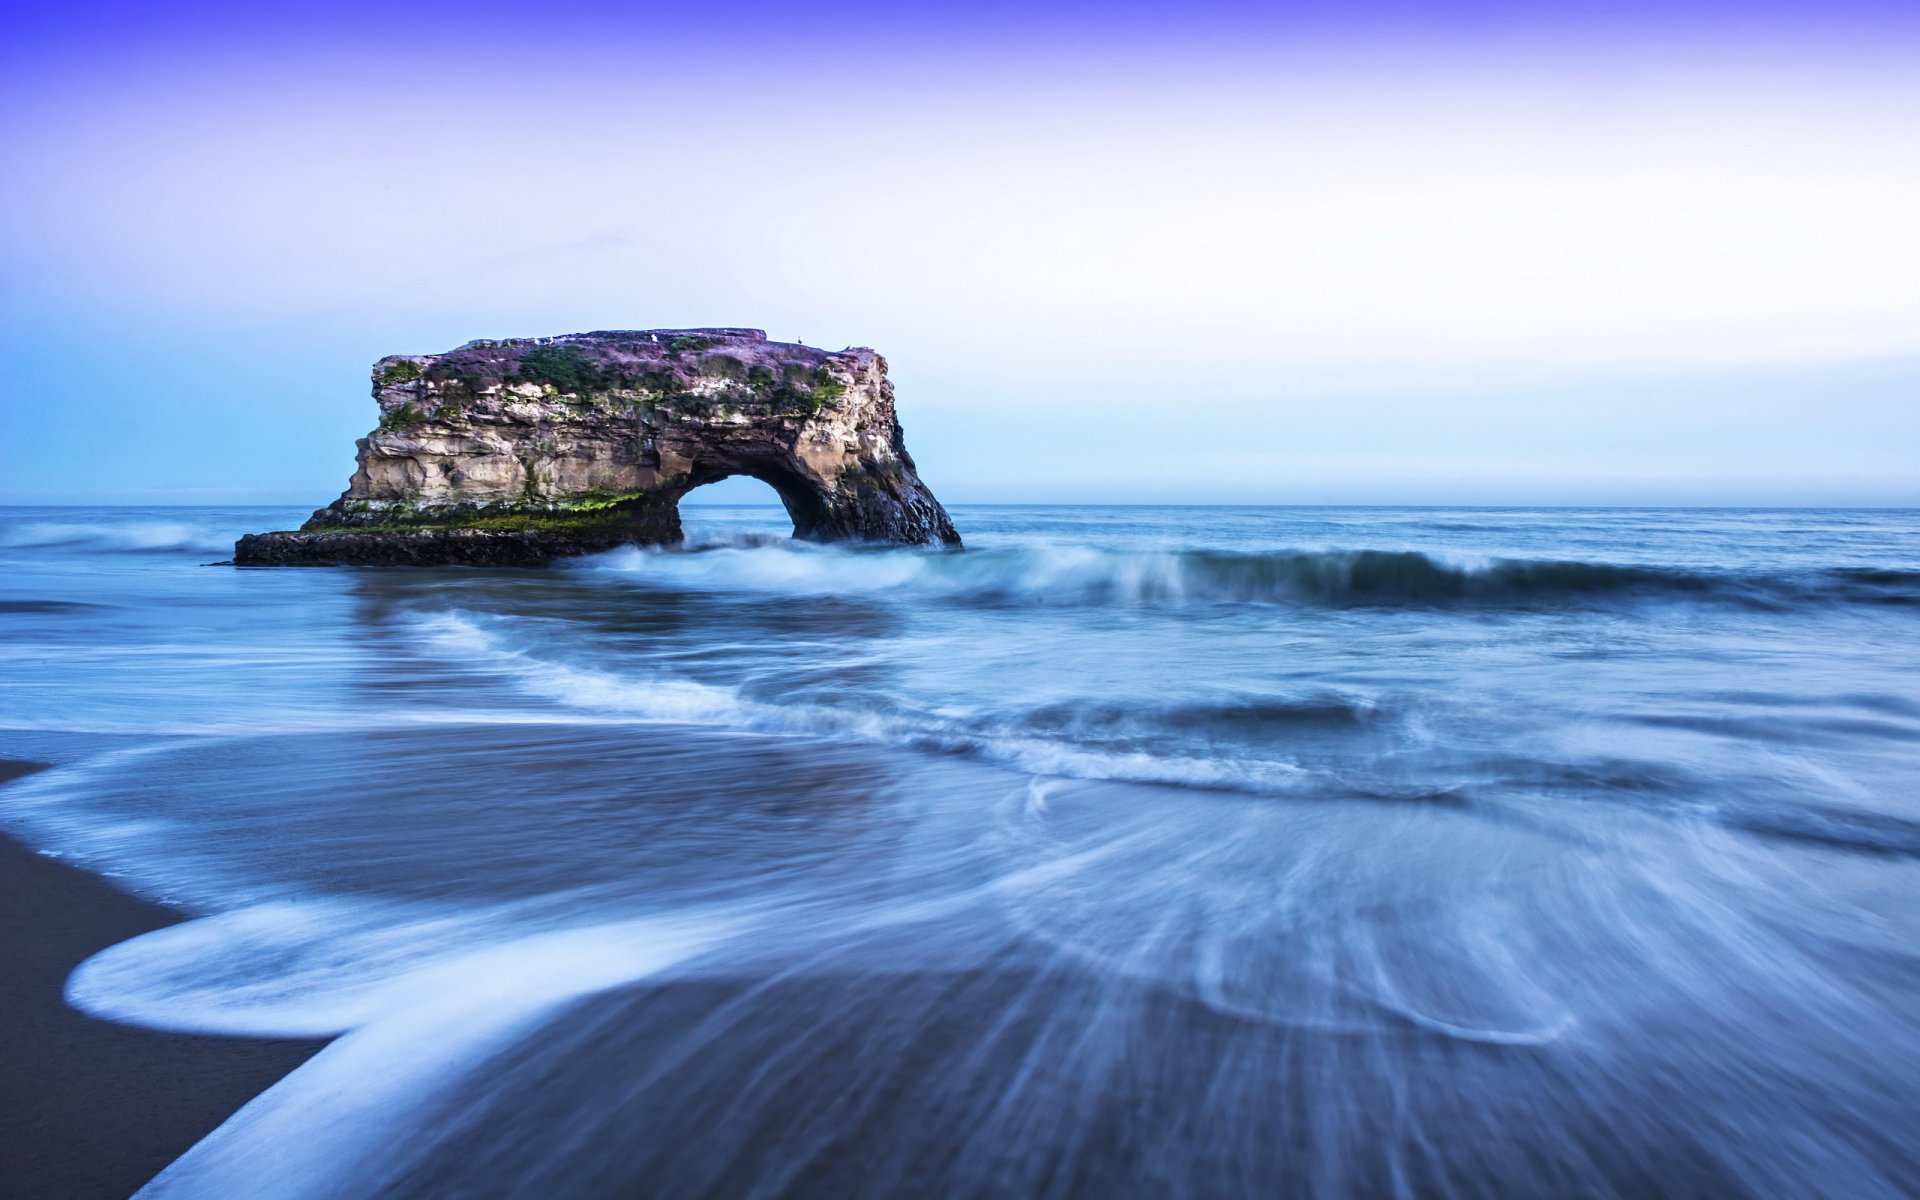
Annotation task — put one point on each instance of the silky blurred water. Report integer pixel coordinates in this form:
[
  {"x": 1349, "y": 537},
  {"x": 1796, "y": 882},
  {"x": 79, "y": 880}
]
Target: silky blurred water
[{"x": 1131, "y": 851}]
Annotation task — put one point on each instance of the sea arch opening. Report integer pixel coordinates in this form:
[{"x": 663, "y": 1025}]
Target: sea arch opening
[{"x": 745, "y": 506}]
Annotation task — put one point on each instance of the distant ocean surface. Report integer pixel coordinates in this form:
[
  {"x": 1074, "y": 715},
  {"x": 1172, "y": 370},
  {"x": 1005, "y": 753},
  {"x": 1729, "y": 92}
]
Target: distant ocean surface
[{"x": 1130, "y": 852}]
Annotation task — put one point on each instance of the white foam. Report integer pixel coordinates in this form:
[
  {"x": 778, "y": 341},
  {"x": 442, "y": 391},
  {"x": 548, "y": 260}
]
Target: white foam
[
  {"x": 1038, "y": 573},
  {"x": 327, "y": 1128},
  {"x": 660, "y": 698},
  {"x": 667, "y": 699}
]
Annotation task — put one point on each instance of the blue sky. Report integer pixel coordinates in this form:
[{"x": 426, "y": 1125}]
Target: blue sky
[{"x": 1414, "y": 253}]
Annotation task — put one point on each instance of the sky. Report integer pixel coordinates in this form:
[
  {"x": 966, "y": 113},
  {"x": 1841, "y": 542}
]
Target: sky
[{"x": 1420, "y": 253}]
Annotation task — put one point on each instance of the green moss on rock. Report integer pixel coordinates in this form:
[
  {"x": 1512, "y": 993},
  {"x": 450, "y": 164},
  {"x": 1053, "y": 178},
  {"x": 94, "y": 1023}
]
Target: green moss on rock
[
  {"x": 406, "y": 416},
  {"x": 563, "y": 368}
]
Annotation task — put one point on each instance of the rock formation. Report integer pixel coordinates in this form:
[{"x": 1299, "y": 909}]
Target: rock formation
[{"x": 515, "y": 452}]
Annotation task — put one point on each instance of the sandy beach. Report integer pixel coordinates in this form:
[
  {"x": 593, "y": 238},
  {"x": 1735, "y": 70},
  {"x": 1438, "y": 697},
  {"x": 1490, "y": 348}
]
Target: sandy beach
[{"x": 89, "y": 1108}]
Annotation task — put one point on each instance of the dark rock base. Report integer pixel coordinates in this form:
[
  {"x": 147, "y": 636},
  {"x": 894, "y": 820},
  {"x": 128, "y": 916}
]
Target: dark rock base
[{"x": 428, "y": 547}]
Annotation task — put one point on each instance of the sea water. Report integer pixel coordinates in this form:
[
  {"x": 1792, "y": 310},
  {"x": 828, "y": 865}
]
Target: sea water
[{"x": 1131, "y": 851}]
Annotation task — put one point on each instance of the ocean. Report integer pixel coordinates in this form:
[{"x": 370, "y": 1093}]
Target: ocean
[{"x": 1132, "y": 851}]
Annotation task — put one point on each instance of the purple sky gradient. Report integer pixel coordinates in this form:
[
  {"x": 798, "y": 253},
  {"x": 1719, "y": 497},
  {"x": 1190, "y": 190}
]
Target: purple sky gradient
[{"x": 1405, "y": 253}]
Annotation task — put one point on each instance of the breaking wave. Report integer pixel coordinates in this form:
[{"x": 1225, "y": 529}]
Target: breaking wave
[
  {"x": 139, "y": 537},
  {"x": 1082, "y": 575}
]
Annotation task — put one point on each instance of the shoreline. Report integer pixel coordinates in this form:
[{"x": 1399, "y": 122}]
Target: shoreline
[{"x": 90, "y": 1108}]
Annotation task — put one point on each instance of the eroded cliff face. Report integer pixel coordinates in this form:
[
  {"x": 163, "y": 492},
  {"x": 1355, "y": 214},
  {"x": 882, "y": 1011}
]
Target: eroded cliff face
[{"x": 518, "y": 451}]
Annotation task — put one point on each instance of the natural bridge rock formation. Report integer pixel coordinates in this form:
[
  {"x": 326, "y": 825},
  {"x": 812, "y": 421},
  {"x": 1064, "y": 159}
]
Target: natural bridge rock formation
[{"x": 515, "y": 452}]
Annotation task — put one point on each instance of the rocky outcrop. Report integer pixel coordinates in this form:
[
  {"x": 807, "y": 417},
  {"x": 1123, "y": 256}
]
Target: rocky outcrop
[{"x": 516, "y": 452}]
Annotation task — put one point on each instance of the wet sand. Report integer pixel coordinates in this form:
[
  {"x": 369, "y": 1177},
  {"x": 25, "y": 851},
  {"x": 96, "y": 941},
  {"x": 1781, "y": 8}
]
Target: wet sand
[{"x": 89, "y": 1108}]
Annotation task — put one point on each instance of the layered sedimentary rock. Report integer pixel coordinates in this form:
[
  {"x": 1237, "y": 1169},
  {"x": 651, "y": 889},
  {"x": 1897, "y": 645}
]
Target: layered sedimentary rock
[{"x": 519, "y": 451}]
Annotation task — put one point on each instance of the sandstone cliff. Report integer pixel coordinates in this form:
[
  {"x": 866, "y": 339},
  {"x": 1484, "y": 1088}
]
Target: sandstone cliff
[{"x": 518, "y": 451}]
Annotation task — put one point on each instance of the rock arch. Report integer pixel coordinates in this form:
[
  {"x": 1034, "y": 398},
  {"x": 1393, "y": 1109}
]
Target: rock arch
[{"x": 519, "y": 451}]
